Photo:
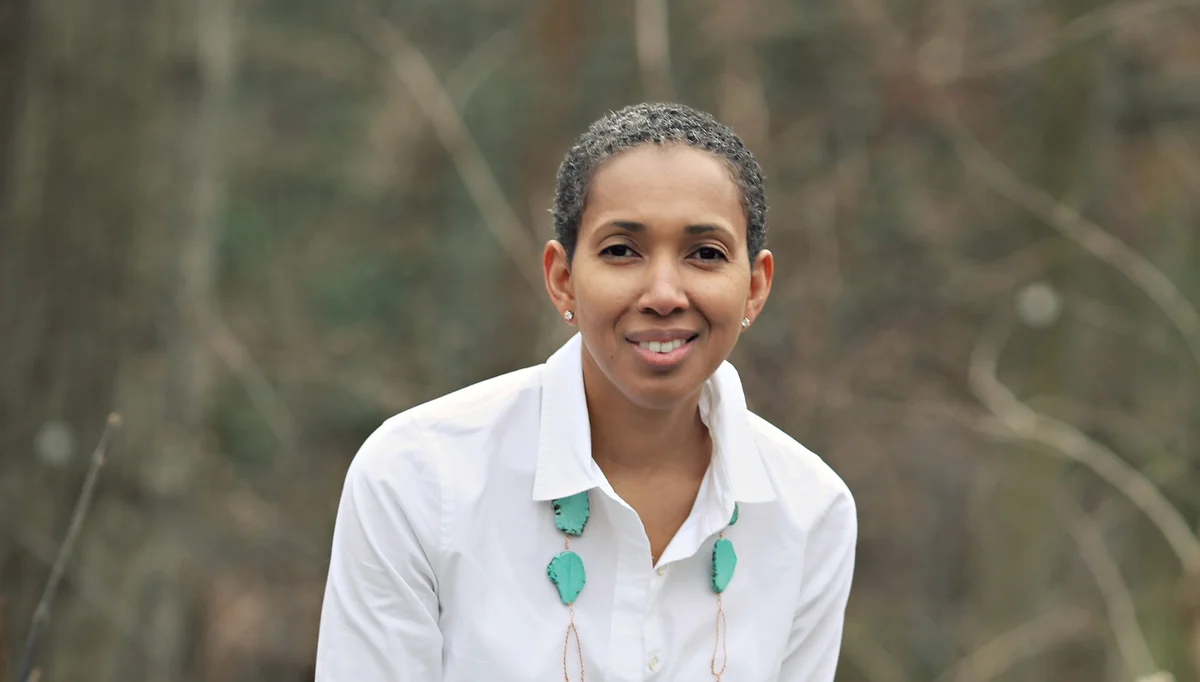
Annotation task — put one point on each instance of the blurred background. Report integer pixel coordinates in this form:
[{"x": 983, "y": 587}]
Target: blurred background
[{"x": 258, "y": 228}]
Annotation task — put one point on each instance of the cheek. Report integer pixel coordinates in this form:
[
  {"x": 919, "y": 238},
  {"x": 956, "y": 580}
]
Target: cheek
[
  {"x": 602, "y": 297},
  {"x": 724, "y": 299}
]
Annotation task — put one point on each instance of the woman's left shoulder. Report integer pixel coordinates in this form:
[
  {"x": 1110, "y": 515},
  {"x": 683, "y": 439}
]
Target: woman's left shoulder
[{"x": 800, "y": 475}]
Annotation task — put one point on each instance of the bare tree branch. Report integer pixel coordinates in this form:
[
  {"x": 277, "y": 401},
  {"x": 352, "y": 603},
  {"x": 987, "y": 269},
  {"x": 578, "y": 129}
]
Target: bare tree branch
[
  {"x": 1126, "y": 428},
  {"x": 1027, "y": 425},
  {"x": 653, "y": 38},
  {"x": 901, "y": 412},
  {"x": 1118, "y": 602},
  {"x": 416, "y": 73},
  {"x": 83, "y": 587},
  {"x": 41, "y": 614},
  {"x": 480, "y": 63},
  {"x": 1068, "y": 222},
  {"x": 1077, "y": 30},
  {"x": 975, "y": 281},
  {"x": 1018, "y": 644},
  {"x": 221, "y": 338},
  {"x": 5, "y": 674},
  {"x": 218, "y": 40}
]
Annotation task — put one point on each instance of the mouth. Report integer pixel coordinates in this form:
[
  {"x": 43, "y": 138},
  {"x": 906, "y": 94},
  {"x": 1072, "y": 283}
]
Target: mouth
[
  {"x": 665, "y": 353},
  {"x": 665, "y": 346}
]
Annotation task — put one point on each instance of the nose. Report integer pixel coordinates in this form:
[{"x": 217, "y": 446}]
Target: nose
[{"x": 664, "y": 292}]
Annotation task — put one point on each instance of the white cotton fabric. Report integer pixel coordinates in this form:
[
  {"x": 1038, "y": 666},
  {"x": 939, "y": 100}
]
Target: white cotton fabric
[{"x": 445, "y": 528}]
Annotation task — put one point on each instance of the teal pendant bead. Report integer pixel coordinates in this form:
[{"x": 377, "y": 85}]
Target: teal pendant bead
[
  {"x": 724, "y": 560},
  {"x": 566, "y": 572},
  {"x": 733, "y": 519},
  {"x": 571, "y": 513}
]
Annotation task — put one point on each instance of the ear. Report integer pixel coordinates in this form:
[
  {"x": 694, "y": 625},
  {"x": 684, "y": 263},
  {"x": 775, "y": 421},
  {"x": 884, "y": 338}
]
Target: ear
[
  {"x": 557, "y": 272},
  {"x": 761, "y": 274}
]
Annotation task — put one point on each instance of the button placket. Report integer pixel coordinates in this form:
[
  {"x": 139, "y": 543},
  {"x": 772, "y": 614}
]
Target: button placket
[
  {"x": 628, "y": 650},
  {"x": 653, "y": 626}
]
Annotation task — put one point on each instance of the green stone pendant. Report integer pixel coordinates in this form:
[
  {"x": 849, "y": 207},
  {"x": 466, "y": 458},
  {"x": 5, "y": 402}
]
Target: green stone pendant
[
  {"x": 566, "y": 572},
  {"x": 571, "y": 513},
  {"x": 724, "y": 560}
]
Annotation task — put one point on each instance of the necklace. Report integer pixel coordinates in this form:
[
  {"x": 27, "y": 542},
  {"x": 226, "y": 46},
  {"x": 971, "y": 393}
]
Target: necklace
[{"x": 565, "y": 570}]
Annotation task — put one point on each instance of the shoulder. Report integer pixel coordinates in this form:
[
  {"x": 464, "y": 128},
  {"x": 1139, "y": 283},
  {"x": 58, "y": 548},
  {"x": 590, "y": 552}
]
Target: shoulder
[
  {"x": 479, "y": 404},
  {"x": 415, "y": 442},
  {"x": 812, "y": 491}
]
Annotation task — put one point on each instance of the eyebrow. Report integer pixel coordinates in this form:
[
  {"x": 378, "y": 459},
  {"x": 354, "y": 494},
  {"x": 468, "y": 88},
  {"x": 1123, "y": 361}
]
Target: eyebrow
[
  {"x": 633, "y": 226},
  {"x": 628, "y": 225}
]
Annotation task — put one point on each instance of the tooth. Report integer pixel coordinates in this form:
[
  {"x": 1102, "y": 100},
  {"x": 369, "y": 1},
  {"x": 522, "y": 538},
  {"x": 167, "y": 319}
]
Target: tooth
[
  {"x": 655, "y": 347},
  {"x": 676, "y": 344}
]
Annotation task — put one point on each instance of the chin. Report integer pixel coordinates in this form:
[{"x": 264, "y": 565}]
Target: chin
[{"x": 660, "y": 393}]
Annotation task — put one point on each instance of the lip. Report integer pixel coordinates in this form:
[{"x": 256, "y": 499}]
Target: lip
[{"x": 664, "y": 360}]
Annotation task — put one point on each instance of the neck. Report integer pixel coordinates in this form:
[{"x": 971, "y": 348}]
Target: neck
[{"x": 631, "y": 440}]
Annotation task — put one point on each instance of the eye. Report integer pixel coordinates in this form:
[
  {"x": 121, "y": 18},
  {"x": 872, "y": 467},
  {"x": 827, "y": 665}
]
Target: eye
[
  {"x": 710, "y": 253},
  {"x": 618, "y": 251}
]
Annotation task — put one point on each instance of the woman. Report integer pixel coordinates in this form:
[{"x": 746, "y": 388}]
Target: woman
[{"x": 615, "y": 513}]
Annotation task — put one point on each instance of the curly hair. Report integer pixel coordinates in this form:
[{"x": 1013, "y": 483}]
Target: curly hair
[{"x": 656, "y": 123}]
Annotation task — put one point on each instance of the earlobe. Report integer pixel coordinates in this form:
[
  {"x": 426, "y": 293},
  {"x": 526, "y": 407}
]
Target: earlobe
[{"x": 557, "y": 273}]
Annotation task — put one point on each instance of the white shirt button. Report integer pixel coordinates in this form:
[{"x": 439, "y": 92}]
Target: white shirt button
[
  {"x": 653, "y": 664},
  {"x": 662, "y": 570}
]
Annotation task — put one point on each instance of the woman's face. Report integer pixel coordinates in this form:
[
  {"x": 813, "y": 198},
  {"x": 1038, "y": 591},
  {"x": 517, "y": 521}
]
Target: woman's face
[{"x": 661, "y": 277}]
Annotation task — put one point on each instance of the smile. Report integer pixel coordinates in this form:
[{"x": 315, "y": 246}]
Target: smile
[
  {"x": 663, "y": 346},
  {"x": 663, "y": 354}
]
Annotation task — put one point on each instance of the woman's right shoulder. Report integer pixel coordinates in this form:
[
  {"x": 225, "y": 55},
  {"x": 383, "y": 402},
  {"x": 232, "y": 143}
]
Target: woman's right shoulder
[{"x": 454, "y": 428}]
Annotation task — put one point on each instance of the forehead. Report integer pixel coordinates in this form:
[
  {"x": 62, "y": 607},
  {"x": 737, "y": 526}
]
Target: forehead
[{"x": 672, "y": 183}]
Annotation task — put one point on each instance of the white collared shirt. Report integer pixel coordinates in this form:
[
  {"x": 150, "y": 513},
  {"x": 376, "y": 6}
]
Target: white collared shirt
[{"x": 445, "y": 528}]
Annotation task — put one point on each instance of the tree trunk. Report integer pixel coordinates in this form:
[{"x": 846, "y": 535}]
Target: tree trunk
[
  {"x": 14, "y": 33},
  {"x": 110, "y": 204}
]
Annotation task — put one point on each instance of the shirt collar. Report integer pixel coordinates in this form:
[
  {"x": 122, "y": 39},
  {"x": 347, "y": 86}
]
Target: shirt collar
[{"x": 564, "y": 459}]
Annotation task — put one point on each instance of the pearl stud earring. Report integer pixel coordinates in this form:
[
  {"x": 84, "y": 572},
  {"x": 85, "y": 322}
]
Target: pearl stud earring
[
  {"x": 568, "y": 316},
  {"x": 745, "y": 323}
]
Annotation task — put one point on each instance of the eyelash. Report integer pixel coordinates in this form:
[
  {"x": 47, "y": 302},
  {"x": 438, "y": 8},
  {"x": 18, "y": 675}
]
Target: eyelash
[
  {"x": 718, "y": 253},
  {"x": 608, "y": 250}
]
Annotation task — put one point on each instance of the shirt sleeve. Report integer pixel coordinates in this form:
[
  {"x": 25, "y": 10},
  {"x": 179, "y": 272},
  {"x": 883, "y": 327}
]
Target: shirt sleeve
[
  {"x": 379, "y": 617},
  {"x": 816, "y": 638}
]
